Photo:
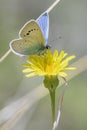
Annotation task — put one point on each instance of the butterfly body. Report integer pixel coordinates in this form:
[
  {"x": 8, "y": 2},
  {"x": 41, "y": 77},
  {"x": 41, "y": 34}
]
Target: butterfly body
[{"x": 32, "y": 37}]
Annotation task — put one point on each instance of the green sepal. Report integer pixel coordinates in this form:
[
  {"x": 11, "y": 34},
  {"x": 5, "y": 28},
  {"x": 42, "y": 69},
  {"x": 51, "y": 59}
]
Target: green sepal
[{"x": 51, "y": 82}]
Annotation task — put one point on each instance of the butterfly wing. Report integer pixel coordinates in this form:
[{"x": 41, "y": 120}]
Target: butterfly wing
[
  {"x": 43, "y": 22},
  {"x": 31, "y": 40}
]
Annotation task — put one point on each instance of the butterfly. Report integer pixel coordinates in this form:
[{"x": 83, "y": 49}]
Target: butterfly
[{"x": 33, "y": 37}]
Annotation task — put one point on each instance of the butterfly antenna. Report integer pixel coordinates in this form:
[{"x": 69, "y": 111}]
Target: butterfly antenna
[
  {"x": 5, "y": 55},
  {"x": 60, "y": 105},
  {"x": 52, "y": 6}
]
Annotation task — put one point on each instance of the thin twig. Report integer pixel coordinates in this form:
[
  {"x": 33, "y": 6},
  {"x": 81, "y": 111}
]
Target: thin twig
[
  {"x": 52, "y": 6},
  {"x": 5, "y": 55}
]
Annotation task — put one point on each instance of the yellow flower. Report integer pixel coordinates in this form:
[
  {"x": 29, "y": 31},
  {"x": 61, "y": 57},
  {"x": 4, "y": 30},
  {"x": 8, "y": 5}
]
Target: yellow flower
[{"x": 48, "y": 64}]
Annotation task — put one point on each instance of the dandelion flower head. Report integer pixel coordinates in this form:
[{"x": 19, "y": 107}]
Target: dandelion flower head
[{"x": 48, "y": 64}]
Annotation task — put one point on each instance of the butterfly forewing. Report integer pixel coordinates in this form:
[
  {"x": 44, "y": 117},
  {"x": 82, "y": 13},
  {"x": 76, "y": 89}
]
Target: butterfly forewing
[
  {"x": 31, "y": 40},
  {"x": 32, "y": 29},
  {"x": 43, "y": 22}
]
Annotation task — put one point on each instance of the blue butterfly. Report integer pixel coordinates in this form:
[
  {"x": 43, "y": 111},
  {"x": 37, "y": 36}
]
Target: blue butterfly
[{"x": 33, "y": 37}]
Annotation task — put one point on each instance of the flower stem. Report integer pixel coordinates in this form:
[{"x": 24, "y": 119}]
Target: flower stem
[
  {"x": 52, "y": 95},
  {"x": 51, "y": 83}
]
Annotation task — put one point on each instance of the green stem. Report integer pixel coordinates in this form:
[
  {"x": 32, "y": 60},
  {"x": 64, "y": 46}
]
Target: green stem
[
  {"x": 51, "y": 83},
  {"x": 52, "y": 95}
]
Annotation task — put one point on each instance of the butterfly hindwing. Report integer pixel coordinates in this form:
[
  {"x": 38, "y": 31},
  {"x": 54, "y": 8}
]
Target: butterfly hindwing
[
  {"x": 31, "y": 40},
  {"x": 23, "y": 47}
]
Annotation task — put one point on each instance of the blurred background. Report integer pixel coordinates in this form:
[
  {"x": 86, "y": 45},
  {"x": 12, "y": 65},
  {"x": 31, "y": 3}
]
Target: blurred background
[{"x": 68, "y": 31}]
